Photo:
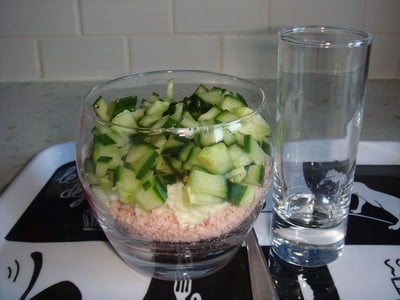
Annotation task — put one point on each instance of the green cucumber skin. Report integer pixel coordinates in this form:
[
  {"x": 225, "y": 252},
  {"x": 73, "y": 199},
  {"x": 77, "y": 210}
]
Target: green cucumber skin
[
  {"x": 102, "y": 109},
  {"x": 125, "y": 103},
  {"x": 223, "y": 164}
]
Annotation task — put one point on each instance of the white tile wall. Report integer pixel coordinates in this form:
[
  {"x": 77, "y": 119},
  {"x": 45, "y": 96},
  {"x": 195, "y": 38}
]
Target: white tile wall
[
  {"x": 84, "y": 57},
  {"x": 211, "y": 16},
  {"x": 382, "y": 16},
  {"x": 99, "y": 39},
  {"x": 175, "y": 52},
  {"x": 250, "y": 56},
  {"x": 126, "y": 16},
  {"x": 385, "y": 53},
  {"x": 32, "y": 18},
  {"x": 333, "y": 12},
  {"x": 18, "y": 59}
]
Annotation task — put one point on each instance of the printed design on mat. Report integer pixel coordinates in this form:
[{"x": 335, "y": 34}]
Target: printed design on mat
[
  {"x": 74, "y": 191},
  {"x": 389, "y": 203},
  {"x": 394, "y": 266},
  {"x": 65, "y": 288},
  {"x": 183, "y": 290},
  {"x": 58, "y": 213}
]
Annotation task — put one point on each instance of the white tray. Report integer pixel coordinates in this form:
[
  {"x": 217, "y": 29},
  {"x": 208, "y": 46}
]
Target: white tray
[{"x": 363, "y": 272}]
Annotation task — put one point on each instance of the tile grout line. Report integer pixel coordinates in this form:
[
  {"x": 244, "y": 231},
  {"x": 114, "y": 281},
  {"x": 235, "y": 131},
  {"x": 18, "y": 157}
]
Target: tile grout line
[
  {"x": 173, "y": 25},
  {"x": 221, "y": 53},
  {"x": 39, "y": 58},
  {"x": 127, "y": 48},
  {"x": 79, "y": 18},
  {"x": 363, "y": 10},
  {"x": 269, "y": 14}
]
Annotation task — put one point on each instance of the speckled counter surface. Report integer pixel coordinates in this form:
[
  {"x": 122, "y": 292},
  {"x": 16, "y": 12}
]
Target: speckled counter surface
[{"x": 34, "y": 116}]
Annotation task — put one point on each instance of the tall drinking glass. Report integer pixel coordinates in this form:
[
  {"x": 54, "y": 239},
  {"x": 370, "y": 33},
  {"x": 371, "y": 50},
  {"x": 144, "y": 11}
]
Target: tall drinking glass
[{"x": 322, "y": 74}]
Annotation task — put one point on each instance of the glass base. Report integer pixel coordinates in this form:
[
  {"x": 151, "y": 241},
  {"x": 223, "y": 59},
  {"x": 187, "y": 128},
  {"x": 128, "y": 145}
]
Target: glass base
[
  {"x": 189, "y": 269},
  {"x": 307, "y": 246}
]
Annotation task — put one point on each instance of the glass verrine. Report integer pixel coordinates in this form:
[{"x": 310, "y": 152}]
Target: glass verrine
[
  {"x": 176, "y": 169},
  {"x": 322, "y": 74}
]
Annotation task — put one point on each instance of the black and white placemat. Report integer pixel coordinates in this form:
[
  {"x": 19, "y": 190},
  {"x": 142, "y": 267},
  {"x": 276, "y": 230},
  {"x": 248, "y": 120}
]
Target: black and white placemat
[{"x": 51, "y": 246}]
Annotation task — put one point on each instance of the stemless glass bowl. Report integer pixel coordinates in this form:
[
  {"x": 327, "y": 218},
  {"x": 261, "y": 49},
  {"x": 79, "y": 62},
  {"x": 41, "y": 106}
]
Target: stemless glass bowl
[{"x": 180, "y": 237}]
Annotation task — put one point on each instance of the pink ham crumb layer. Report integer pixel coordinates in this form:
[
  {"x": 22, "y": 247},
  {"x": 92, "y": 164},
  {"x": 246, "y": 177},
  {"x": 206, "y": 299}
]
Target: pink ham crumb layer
[{"x": 162, "y": 225}]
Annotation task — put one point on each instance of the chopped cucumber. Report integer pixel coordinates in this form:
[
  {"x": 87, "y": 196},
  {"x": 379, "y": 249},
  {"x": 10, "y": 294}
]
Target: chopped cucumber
[
  {"x": 158, "y": 107},
  {"x": 101, "y": 109},
  {"x": 142, "y": 157},
  {"x": 210, "y": 136},
  {"x": 176, "y": 164},
  {"x": 238, "y": 156},
  {"x": 107, "y": 155},
  {"x": 215, "y": 165},
  {"x": 159, "y": 141},
  {"x": 254, "y": 150},
  {"x": 173, "y": 145},
  {"x": 254, "y": 175},
  {"x": 225, "y": 117},
  {"x": 148, "y": 120},
  {"x": 237, "y": 174},
  {"x": 229, "y": 137},
  {"x": 163, "y": 167},
  {"x": 231, "y": 102},
  {"x": 202, "y": 198},
  {"x": 151, "y": 194},
  {"x": 103, "y": 139},
  {"x": 126, "y": 119},
  {"x": 126, "y": 180},
  {"x": 201, "y": 89},
  {"x": 125, "y": 103},
  {"x": 213, "y": 96},
  {"x": 188, "y": 121},
  {"x": 241, "y": 194},
  {"x": 215, "y": 159},
  {"x": 177, "y": 115},
  {"x": 253, "y": 125},
  {"x": 169, "y": 93},
  {"x": 185, "y": 152},
  {"x": 192, "y": 159},
  {"x": 211, "y": 114},
  {"x": 202, "y": 182}
]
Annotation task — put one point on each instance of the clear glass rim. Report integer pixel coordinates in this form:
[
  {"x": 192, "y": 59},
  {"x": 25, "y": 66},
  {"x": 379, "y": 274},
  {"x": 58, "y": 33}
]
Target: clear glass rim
[
  {"x": 88, "y": 101},
  {"x": 349, "y": 37}
]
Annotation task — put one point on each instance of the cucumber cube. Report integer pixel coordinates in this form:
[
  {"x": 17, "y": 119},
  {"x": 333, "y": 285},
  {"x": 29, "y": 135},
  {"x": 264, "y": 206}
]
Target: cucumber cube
[
  {"x": 253, "y": 125},
  {"x": 152, "y": 195},
  {"x": 230, "y": 102},
  {"x": 211, "y": 136},
  {"x": 225, "y": 117},
  {"x": 255, "y": 175},
  {"x": 210, "y": 114},
  {"x": 142, "y": 157},
  {"x": 238, "y": 156},
  {"x": 125, "y": 103},
  {"x": 102, "y": 109},
  {"x": 215, "y": 159},
  {"x": 237, "y": 174},
  {"x": 158, "y": 107},
  {"x": 202, "y": 198},
  {"x": 254, "y": 150},
  {"x": 126, "y": 180},
  {"x": 213, "y": 96},
  {"x": 241, "y": 194},
  {"x": 125, "y": 119},
  {"x": 201, "y": 182}
]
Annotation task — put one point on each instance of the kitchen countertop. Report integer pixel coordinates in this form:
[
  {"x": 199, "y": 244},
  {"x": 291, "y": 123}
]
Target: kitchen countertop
[{"x": 36, "y": 115}]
